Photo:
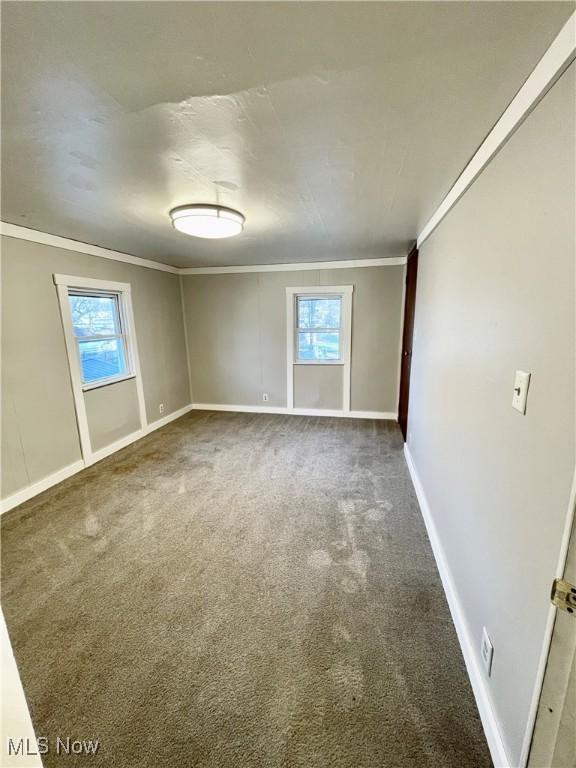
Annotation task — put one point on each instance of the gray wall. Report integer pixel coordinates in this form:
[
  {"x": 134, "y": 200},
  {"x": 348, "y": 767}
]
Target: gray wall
[
  {"x": 39, "y": 431},
  {"x": 495, "y": 294},
  {"x": 237, "y": 337},
  {"x": 112, "y": 413},
  {"x": 318, "y": 386}
]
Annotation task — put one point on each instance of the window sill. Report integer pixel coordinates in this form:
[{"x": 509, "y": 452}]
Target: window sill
[
  {"x": 107, "y": 382},
  {"x": 318, "y": 362}
]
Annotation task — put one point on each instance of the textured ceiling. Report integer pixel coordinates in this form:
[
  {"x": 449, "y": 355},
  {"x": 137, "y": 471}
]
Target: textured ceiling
[{"x": 336, "y": 128}]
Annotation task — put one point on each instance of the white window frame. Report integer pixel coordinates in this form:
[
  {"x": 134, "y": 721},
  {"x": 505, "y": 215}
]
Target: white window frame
[
  {"x": 317, "y": 295},
  {"x": 319, "y": 292},
  {"x": 65, "y": 285},
  {"x": 122, "y": 335}
]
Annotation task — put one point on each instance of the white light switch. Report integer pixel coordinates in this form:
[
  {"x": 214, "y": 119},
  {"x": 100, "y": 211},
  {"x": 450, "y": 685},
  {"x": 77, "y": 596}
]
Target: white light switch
[
  {"x": 521, "y": 383},
  {"x": 487, "y": 651}
]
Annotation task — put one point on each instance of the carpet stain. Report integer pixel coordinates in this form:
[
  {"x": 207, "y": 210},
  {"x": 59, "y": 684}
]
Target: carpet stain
[
  {"x": 320, "y": 559},
  {"x": 92, "y": 526},
  {"x": 235, "y": 591},
  {"x": 358, "y": 563},
  {"x": 340, "y": 634},
  {"x": 349, "y": 585},
  {"x": 348, "y": 681}
]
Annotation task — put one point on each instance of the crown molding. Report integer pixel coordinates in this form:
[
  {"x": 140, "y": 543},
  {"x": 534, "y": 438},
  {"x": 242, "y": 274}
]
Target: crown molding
[
  {"x": 45, "y": 238},
  {"x": 553, "y": 63},
  {"x": 296, "y": 266}
]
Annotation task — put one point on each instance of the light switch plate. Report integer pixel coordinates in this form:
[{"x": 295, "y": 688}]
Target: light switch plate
[
  {"x": 521, "y": 383},
  {"x": 487, "y": 651}
]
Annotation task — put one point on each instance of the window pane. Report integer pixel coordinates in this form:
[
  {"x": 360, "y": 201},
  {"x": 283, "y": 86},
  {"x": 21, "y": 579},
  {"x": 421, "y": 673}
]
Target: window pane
[
  {"x": 94, "y": 315},
  {"x": 319, "y": 313},
  {"x": 318, "y": 346},
  {"x": 101, "y": 359}
]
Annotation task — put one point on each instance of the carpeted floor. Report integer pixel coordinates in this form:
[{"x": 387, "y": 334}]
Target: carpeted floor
[{"x": 239, "y": 590}]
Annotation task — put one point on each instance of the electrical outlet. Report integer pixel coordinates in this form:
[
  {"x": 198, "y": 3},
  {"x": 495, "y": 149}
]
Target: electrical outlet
[
  {"x": 487, "y": 651},
  {"x": 161, "y": 407},
  {"x": 265, "y": 397}
]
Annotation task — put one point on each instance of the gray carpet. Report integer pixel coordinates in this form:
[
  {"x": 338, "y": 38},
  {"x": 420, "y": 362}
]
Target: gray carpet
[{"x": 240, "y": 590}]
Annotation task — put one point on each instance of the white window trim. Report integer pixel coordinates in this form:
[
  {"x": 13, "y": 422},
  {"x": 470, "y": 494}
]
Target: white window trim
[
  {"x": 65, "y": 283},
  {"x": 320, "y": 291},
  {"x": 123, "y": 335},
  {"x": 317, "y": 295}
]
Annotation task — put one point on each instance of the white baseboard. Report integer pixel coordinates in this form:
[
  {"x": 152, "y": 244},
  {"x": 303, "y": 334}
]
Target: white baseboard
[
  {"x": 383, "y": 415},
  {"x": 475, "y": 673},
  {"x": 63, "y": 474},
  {"x": 129, "y": 439},
  {"x": 296, "y": 411},
  {"x": 108, "y": 450},
  {"x": 167, "y": 419},
  {"x": 41, "y": 485}
]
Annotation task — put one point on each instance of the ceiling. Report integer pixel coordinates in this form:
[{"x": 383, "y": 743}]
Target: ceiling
[{"x": 336, "y": 128}]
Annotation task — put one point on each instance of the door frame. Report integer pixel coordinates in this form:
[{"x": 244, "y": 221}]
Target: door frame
[
  {"x": 548, "y": 664},
  {"x": 406, "y": 340}
]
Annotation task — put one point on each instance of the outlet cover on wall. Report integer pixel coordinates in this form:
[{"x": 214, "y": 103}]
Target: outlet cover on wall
[
  {"x": 487, "y": 651},
  {"x": 161, "y": 407},
  {"x": 265, "y": 397}
]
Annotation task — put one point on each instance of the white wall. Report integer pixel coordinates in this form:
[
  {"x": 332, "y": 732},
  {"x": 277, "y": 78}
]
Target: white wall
[
  {"x": 16, "y": 723},
  {"x": 495, "y": 294}
]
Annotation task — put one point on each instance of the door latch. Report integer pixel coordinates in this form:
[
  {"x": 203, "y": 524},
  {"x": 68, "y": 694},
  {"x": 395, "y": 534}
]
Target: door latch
[{"x": 563, "y": 595}]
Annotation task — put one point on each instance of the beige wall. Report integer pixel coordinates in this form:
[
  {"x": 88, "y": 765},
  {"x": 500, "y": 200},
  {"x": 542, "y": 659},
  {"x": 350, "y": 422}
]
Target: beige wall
[
  {"x": 495, "y": 294},
  {"x": 39, "y": 431},
  {"x": 237, "y": 337}
]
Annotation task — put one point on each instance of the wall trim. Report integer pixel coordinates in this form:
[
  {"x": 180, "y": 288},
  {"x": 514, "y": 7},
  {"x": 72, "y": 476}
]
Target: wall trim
[
  {"x": 401, "y": 336},
  {"x": 40, "y": 486},
  {"x": 186, "y": 343},
  {"x": 27, "y": 493},
  {"x": 283, "y": 411},
  {"x": 480, "y": 689},
  {"x": 124, "y": 442},
  {"x": 63, "y": 474},
  {"x": 108, "y": 450},
  {"x": 395, "y": 261},
  {"x": 63, "y": 284},
  {"x": 553, "y": 63},
  {"x": 159, "y": 423},
  {"x": 45, "y": 238}
]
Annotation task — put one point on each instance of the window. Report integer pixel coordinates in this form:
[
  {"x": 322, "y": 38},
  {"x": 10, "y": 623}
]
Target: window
[
  {"x": 102, "y": 349},
  {"x": 99, "y": 335},
  {"x": 318, "y": 329}
]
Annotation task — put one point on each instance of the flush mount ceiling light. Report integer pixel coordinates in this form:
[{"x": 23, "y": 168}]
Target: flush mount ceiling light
[{"x": 212, "y": 221}]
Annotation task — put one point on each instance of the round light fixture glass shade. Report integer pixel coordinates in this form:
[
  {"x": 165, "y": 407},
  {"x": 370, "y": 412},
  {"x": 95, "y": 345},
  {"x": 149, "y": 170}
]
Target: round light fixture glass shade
[{"x": 212, "y": 221}]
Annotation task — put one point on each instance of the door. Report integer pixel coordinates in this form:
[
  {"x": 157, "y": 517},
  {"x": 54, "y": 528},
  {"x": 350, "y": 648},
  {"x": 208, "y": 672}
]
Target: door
[
  {"x": 554, "y": 738},
  {"x": 406, "y": 361}
]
